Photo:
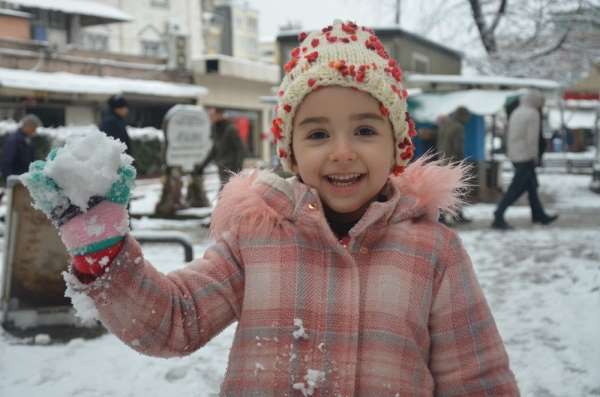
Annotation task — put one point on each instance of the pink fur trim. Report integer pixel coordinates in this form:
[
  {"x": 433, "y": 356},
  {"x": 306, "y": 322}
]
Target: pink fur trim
[
  {"x": 239, "y": 202},
  {"x": 103, "y": 221},
  {"x": 436, "y": 185}
]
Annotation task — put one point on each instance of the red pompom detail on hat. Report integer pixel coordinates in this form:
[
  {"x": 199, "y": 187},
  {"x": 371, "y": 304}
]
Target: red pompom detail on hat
[
  {"x": 314, "y": 42},
  {"x": 384, "y": 111},
  {"x": 282, "y": 153},
  {"x": 312, "y": 56},
  {"x": 290, "y": 65},
  {"x": 326, "y": 29},
  {"x": 349, "y": 27},
  {"x": 404, "y": 93},
  {"x": 302, "y": 36},
  {"x": 287, "y": 107},
  {"x": 412, "y": 131},
  {"x": 311, "y": 82},
  {"x": 295, "y": 52},
  {"x": 331, "y": 39},
  {"x": 398, "y": 169},
  {"x": 353, "y": 37},
  {"x": 280, "y": 93},
  {"x": 276, "y": 128}
]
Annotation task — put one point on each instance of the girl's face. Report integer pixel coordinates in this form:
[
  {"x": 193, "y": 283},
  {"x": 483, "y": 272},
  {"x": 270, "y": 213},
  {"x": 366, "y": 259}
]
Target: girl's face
[{"x": 343, "y": 147}]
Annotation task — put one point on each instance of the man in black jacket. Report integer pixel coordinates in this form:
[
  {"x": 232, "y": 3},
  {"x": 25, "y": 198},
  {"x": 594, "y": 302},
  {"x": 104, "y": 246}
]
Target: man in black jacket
[
  {"x": 18, "y": 150},
  {"x": 113, "y": 121}
]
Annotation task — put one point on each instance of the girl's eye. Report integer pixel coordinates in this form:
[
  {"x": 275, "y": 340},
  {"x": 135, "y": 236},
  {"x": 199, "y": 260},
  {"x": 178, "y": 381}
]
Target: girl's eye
[
  {"x": 366, "y": 131},
  {"x": 317, "y": 135}
]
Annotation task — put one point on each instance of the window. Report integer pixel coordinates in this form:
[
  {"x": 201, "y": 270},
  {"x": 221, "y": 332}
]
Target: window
[
  {"x": 96, "y": 42},
  {"x": 57, "y": 20},
  {"x": 151, "y": 48},
  {"x": 160, "y": 3},
  {"x": 420, "y": 63}
]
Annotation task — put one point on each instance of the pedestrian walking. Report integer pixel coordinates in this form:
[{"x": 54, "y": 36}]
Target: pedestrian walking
[
  {"x": 18, "y": 150},
  {"x": 523, "y": 149},
  {"x": 228, "y": 151},
  {"x": 114, "y": 123},
  {"x": 451, "y": 146}
]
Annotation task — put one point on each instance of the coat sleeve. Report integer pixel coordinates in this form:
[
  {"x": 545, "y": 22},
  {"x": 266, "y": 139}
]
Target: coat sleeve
[
  {"x": 467, "y": 355},
  {"x": 173, "y": 314},
  {"x": 9, "y": 154},
  {"x": 533, "y": 136}
]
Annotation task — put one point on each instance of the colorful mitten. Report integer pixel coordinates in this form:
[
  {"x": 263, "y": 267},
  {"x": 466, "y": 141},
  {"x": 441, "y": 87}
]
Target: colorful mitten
[{"x": 84, "y": 188}]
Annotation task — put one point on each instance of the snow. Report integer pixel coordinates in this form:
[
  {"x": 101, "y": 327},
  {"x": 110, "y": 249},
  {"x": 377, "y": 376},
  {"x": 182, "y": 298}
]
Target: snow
[
  {"x": 76, "y": 7},
  {"x": 515, "y": 82},
  {"x": 573, "y": 118},
  {"x": 87, "y": 166},
  {"x": 312, "y": 379},
  {"x": 299, "y": 331},
  {"x": 84, "y": 84},
  {"x": 542, "y": 283},
  {"x": 481, "y": 102}
]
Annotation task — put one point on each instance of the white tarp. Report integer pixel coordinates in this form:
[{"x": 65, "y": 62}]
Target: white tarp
[
  {"x": 77, "y": 7},
  {"x": 573, "y": 119},
  {"x": 82, "y": 84},
  {"x": 430, "y": 106}
]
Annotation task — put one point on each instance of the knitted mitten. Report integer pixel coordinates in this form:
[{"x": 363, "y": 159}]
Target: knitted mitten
[{"x": 91, "y": 215}]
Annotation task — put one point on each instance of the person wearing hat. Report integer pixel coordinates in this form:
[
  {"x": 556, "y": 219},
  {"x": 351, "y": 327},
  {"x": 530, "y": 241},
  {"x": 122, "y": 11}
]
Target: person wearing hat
[
  {"x": 341, "y": 279},
  {"x": 18, "y": 150},
  {"x": 113, "y": 121}
]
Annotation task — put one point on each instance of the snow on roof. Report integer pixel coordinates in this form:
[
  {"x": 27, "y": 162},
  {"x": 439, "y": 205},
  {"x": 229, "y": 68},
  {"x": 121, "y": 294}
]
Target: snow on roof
[
  {"x": 574, "y": 119},
  {"x": 14, "y": 13},
  {"x": 78, "y": 7},
  {"x": 428, "y": 106},
  {"x": 515, "y": 82},
  {"x": 82, "y": 84}
]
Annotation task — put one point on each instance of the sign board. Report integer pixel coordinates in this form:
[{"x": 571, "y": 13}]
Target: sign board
[
  {"x": 187, "y": 134},
  {"x": 34, "y": 258}
]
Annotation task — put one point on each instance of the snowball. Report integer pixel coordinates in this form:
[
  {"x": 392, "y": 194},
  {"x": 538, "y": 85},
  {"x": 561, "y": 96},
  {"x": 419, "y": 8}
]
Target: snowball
[{"x": 87, "y": 166}]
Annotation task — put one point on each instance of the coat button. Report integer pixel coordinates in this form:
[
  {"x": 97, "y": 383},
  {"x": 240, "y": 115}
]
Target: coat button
[{"x": 312, "y": 206}]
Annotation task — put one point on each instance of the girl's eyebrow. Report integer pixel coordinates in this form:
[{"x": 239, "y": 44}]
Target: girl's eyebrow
[
  {"x": 315, "y": 120},
  {"x": 363, "y": 116},
  {"x": 354, "y": 117}
]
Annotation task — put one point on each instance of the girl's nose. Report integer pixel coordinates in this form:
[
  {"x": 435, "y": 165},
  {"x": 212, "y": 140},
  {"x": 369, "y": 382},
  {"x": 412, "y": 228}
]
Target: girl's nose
[{"x": 342, "y": 151}]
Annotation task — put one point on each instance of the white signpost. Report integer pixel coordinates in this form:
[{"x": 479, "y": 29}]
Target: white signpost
[{"x": 187, "y": 133}]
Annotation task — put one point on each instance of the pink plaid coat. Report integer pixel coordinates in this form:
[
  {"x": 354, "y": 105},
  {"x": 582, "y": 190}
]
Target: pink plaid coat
[{"x": 397, "y": 311}]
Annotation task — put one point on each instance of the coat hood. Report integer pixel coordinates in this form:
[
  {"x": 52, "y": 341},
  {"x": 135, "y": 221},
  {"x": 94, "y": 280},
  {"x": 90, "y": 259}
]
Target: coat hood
[
  {"x": 532, "y": 99},
  {"x": 264, "y": 199}
]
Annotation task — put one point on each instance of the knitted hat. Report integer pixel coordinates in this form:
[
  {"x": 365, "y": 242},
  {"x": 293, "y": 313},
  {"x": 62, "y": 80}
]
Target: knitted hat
[
  {"x": 345, "y": 55},
  {"x": 117, "y": 101}
]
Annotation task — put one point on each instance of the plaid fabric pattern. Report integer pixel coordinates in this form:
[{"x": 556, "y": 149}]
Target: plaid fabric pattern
[{"x": 397, "y": 311}]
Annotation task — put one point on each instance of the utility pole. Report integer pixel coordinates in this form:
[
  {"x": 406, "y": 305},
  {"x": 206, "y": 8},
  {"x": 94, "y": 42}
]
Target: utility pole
[{"x": 398, "y": 12}]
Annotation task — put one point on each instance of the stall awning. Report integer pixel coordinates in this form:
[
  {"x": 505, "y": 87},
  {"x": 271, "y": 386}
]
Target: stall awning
[
  {"x": 91, "y": 9},
  {"x": 427, "y": 107},
  {"x": 69, "y": 83}
]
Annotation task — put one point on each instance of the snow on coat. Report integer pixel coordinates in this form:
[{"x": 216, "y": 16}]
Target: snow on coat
[{"x": 397, "y": 311}]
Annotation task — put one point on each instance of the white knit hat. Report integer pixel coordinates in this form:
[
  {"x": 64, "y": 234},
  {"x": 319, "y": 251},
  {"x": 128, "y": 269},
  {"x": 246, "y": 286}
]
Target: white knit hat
[{"x": 345, "y": 55}]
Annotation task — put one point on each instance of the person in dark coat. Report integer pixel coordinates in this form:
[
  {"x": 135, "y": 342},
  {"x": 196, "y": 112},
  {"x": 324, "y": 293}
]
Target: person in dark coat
[
  {"x": 18, "y": 150},
  {"x": 113, "y": 121},
  {"x": 451, "y": 143},
  {"x": 228, "y": 151}
]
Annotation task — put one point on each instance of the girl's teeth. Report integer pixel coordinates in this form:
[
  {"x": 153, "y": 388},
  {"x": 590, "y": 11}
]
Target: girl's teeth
[{"x": 343, "y": 179}]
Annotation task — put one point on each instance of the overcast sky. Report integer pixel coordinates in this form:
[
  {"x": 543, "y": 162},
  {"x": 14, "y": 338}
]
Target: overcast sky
[{"x": 314, "y": 14}]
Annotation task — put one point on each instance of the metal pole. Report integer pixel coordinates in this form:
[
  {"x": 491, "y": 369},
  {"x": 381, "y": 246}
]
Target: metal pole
[{"x": 398, "y": 4}]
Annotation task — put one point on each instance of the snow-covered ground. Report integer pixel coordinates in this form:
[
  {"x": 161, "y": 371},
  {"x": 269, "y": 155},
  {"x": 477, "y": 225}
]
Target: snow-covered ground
[{"x": 543, "y": 284}]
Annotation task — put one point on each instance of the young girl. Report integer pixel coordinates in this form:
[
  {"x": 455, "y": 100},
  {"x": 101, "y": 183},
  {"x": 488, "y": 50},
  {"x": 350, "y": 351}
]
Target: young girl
[{"x": 341, "y": 279}]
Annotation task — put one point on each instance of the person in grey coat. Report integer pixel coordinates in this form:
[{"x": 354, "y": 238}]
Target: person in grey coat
[{"x": 523, "y": 151}]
